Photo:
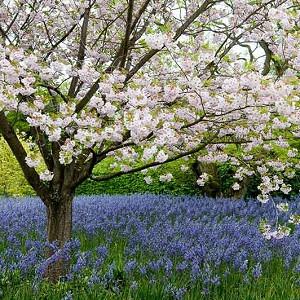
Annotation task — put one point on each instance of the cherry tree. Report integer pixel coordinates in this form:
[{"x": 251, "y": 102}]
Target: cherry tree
[{"x": 143, "y": 83}]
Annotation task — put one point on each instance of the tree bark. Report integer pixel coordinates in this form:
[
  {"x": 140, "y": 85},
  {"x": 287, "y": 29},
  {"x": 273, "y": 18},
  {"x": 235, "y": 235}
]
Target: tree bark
[{"x": 59, "y": 229}]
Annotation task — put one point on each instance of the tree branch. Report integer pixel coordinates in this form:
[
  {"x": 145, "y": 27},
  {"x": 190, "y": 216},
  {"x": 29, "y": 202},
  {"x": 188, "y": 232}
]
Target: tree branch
[
  {"x": 178, "y": 33},
  {"x": 127, "y": 34},
  {"x": 267, "y": 63},
  {"x": 81, "y": 51},
  {"x": 192, "y": 18},
  {"x": 83, "y": 102},
  {"x": 118, "y": 55},
  {"x": 56, "y": 90},
  {"x": 146, "y": 57},
  {"x": 41, "y": 141},
  {"x": 19, "y": 152},
  {"x": 139, "y": 14},
  {"x": 153, "y": 164},
  {"x": 61, "y": 40}
]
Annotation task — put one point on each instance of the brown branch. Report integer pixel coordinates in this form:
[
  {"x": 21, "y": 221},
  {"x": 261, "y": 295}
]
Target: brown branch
[
  {"x": 127, "y": 34},
  {"x": 104, "y": 30},
  {"x": 267, "y": 63},
  {"x": 193, "y": 123},
  {"x": 120, "y": 145},
  {"x": 19, "y": 152},
  {"x": 235, "y": 40},
  {"x": 178, "y": 33},
  {"x": 83, "y": 102},
  {"x": 41, "y": 140},
  {"x": 59, "y": 41},
  {"x": 58, "y": 169},
  {"x": 48, "y": 33},
  {"x": 139, "y": 14},
  {"x": 192, "y": 18},
  {"x": 56, "y": 90},
  {"x": 202, "y": 118},
  {"x": 81, "y": 51},
  {"x": 141, "y": 63},
  {"x": 137, "y": 35},
  {"x": 27, "y": 20},
  {"x": 4, "y": 35},
  {"x": 14, "y": 19},
  {"x": 153, "y": 164},
  {"x": 62, "y": 39}
]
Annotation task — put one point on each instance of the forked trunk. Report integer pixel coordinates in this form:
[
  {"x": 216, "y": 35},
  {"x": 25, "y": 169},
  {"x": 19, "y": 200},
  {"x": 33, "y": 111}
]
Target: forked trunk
[{"x": 59, "y": 229}]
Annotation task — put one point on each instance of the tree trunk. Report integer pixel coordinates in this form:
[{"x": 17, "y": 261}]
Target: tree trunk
[{"x": 59, "y": 229}]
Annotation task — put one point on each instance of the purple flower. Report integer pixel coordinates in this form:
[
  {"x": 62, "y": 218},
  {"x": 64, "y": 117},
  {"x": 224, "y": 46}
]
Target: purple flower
[
  {"x": 159, "y": 236},
  {"x": 257, "y": 270},
  {"x": 182, "y": 266},
  {"x": 102, "y": 251},
  {"x": 94, "y": 279},
  {"x": 130, "y": 266},
  {"x": 297, "y": 268}
]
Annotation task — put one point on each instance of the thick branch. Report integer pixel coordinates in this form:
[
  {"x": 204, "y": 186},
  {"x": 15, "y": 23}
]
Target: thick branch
[
  {"x": 81, "y": 51},
  {"x": 131, "y": 42},
  {"x": 19, "y": 152},
  {"x": 141, "y": 63},
  {"x": 84, "y": 101},
  {"x": 41, "y": 141},
  {"x": 127, "y": 34},
  {"x": 139, "y": 14},
  {"x": 267, "y": 63},
  {"x": 192, "y": 18}
]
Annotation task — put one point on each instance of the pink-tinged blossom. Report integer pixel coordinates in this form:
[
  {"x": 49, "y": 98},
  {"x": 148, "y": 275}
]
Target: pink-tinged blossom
[
  {"x": 236, "y": 186},
  {"x": 32, "y": 163},
  {"x": 157, "y": 41},
  {"x": 166, "y": 177},
  {"x": 148, "y": 179},
  {"x": 161, "y": 156},
  {"x": 46, "y": 175},
  {"x": 203, "y": 178}
]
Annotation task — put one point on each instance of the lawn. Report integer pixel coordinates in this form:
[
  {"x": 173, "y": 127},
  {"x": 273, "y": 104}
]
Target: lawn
[{"x": 151, "y": 247}]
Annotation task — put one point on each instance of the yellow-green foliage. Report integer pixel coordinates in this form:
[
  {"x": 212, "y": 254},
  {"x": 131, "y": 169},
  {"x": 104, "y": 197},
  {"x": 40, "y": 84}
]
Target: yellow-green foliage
[{"x": 12, "y": 180}]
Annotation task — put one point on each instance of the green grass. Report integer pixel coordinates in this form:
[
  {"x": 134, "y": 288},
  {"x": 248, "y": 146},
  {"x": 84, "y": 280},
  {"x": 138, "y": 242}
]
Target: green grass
[{"x": 276, "y": 283}]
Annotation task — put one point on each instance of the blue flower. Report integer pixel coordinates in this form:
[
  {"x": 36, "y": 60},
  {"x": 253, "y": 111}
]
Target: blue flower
[{"x": 257, "y": 270}]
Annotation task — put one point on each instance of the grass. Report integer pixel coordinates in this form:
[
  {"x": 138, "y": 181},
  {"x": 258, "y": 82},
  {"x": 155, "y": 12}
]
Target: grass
[{"x": 276, "y": 284}]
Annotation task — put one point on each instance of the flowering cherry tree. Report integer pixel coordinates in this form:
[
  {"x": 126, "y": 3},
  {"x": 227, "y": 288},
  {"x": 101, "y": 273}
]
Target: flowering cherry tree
[{"x": 146, "y": 82}]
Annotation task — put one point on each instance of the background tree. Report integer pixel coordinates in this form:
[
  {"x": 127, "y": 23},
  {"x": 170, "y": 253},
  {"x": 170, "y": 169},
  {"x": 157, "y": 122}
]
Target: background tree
[{"x": 145, "y": 81}]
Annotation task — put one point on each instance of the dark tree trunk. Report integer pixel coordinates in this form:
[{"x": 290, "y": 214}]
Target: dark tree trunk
[{"x": 59, "y": 229}]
